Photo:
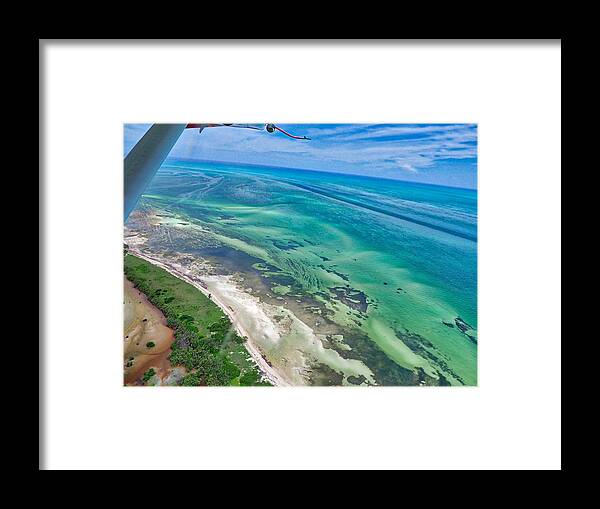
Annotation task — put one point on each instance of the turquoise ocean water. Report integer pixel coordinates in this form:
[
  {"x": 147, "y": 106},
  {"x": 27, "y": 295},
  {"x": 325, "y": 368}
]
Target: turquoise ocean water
[{"x": 408, "y": 250}]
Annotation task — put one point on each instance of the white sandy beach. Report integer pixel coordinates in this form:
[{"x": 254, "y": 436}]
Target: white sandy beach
[{"x": 267, "y": 371}]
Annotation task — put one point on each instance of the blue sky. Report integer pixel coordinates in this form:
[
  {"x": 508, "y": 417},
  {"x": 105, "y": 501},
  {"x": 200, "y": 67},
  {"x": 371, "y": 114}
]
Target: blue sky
[{"x": 444, "y": 154}]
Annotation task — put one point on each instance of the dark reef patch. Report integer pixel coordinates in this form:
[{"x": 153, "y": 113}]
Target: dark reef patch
[
  {"x": 462, "y": 325},
  {"x": 324, "y": 375},
  {"x": 231, "y": 260},
  {"x": 471, "y": 338},
  {"x": 284, "y": 280},
  {"x": 340, "y": 274},
  {"x": 354, "y": 299},
  {"x": 286, "y": 245},
  {"x": 356, "y": 380},
  {"x": 442, "y": 380},
  {"x": 465, "y": 328},
  {"x": 425, "y": 348},
  {"x": 385, "y": 370}
]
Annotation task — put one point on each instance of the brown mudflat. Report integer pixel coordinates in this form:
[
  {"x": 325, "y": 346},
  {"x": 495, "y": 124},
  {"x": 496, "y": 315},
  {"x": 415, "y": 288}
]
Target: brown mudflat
[{"x": 143, "y": 324}]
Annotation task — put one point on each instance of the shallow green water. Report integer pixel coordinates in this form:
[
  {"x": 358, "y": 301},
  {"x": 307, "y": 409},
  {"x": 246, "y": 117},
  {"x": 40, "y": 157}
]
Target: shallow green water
[{"x": 409, "y": 249}]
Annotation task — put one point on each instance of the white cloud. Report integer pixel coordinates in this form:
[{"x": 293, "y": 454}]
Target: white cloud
[{"x": 408, "y": 167}]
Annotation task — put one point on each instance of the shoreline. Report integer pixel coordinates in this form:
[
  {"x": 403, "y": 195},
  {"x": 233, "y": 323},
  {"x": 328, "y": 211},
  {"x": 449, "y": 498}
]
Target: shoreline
[{"x": 268, "y": 371}]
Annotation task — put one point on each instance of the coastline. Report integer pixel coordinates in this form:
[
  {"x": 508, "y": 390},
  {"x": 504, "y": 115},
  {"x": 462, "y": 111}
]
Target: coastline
[{"x": 269, "y": 372}]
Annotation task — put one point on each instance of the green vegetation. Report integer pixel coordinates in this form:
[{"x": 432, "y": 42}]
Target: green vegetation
[
  {"x": 191, "y": 379},
  {"x": 148, "y": 375},
  {"x": 150, "y": 344},
  {"x": 205, "y": 342},
  {"x": 249, "y": 378}
]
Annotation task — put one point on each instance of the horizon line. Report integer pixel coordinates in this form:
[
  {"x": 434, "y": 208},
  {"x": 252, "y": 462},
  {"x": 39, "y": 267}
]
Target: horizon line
[{"x": 320, "y": 171}]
